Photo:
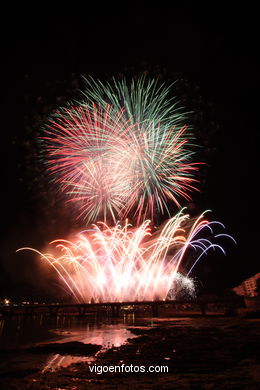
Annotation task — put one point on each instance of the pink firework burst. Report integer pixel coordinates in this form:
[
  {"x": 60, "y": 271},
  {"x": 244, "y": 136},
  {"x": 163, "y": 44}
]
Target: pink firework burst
[{"x": 112, "y": 167}]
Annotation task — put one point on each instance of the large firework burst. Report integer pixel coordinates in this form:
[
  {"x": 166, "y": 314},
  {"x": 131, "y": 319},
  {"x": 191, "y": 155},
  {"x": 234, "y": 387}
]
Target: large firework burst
[{"x": 123, "y": 150}]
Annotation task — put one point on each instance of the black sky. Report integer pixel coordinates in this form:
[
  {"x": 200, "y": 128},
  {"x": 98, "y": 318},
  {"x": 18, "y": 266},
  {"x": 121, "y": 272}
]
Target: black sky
[{"x": 213, "y": 48}]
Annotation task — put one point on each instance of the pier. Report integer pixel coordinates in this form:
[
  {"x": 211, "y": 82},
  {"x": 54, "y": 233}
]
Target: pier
[{"x": 114, "y": 308}]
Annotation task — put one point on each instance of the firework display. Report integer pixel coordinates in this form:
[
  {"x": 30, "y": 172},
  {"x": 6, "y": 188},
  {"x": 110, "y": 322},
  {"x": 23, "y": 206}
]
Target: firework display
[
  {"x": 126, "y": 264},
  {"x": 124, "y": 153}
]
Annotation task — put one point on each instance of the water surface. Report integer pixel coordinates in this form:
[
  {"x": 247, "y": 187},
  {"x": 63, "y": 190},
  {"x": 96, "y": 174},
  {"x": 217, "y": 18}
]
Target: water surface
[{"x": 17, "y": 333}]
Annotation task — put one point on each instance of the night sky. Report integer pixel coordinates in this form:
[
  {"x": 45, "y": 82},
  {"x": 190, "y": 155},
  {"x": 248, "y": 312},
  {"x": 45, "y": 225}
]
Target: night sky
[{"x": 214, "y": 55}]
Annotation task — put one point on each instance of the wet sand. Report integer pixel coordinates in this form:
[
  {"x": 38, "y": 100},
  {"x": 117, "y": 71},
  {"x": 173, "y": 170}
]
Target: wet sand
[{"x": 205, "y": 353}]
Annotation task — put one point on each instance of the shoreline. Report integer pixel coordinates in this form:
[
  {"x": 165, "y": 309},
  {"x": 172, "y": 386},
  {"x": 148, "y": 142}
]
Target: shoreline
[{"x": 209, "y": 353}]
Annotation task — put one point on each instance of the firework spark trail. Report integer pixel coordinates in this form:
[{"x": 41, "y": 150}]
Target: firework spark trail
[
  {"x": 126, "y": 264},
  {"x": 144, "y": 100},
  {"x": 110, "y": 166}
]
